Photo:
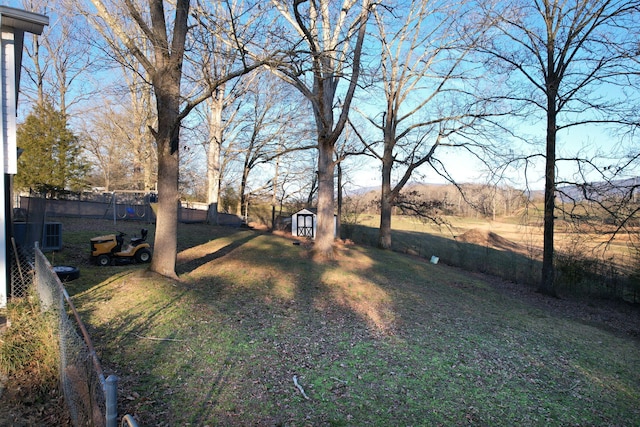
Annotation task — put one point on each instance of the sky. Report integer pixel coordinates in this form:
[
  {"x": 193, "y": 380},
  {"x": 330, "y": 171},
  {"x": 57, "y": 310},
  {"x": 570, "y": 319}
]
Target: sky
[{"x": 587, "y": 142}]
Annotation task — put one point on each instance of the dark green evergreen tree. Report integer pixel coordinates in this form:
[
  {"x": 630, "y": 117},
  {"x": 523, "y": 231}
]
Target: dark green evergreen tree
[{"x": 51, "y": 162}]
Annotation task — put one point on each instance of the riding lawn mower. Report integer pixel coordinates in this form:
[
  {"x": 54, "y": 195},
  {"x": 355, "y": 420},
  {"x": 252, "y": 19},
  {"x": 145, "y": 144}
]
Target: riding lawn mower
[{"x": 109, "y": 248}]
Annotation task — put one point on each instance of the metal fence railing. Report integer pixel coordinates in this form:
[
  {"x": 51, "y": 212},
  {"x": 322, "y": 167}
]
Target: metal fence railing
[{"x": 90, "y": 397}]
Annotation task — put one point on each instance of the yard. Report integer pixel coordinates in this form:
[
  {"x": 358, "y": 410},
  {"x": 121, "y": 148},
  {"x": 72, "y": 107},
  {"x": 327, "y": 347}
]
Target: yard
[
  {"x": 376, "y": 338},
  {"x": 255, "y": 333}
]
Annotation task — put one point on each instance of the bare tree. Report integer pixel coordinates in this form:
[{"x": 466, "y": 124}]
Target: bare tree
[
  {"x": 333, "y": 36},
  {"x": 155, "y": 39},
  {"x": 349, "y": 147},
  {"x": 224, "y": 27},
  {"x": 103, "y": 143},
  {"x": 270, "y": 125},
  {"x": 216, "y": 104},
  {"x": 133, "y": 117},
  {"x": 431, "y": 99},
  {"x": 60, "y": 71},
  {"x": 60, "y": 62},
  {"x": 215, "y": 120},
  {"x": 164, "y": 67},
  {"x": 290, "y": 174},
  {"x": 294, "y": 180},
  {"x": 574, "y": 57}
]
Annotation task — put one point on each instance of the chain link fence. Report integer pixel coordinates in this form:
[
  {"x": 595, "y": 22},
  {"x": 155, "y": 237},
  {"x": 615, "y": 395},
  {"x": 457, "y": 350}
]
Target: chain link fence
[
  {"x": 21, "y": 271},
  {"x": 90, "y": 397}
]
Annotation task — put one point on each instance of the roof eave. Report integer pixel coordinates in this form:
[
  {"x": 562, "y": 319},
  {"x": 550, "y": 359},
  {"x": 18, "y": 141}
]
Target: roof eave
[{"x": 22, "y": 20}]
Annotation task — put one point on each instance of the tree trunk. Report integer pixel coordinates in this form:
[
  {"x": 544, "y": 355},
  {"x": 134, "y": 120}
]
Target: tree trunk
[
  {"x": 547, "y": 283},
  {"x": 339, "y": 202},
  {"x": 242, "y": 210},
  {"x": 325, "y": 229},
  {"x": 312, "y": 190},
  {"x": 138, "y": 170},
  {"x": 213, "y": 156},
  {"x": 386, "y": 197},
  {"x": 39, "y": 74},
  {"x": 165, "y": 243},
  {"x": 384, "y": 234},
  {"x": 150, "y": 174},
  {"x": 274, "y": 192},
  {"x": 164, "y": 66},
  {"x": 167, "y": 88},
  {"x": 150, "y": 154}
]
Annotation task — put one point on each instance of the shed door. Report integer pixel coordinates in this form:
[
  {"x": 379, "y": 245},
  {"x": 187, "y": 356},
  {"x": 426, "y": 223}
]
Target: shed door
[{"x": 305, "y": 225}]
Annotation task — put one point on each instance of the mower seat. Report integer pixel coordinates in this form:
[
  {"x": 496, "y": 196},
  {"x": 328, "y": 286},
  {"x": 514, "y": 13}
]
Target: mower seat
[{"x": 143, "y": 236}]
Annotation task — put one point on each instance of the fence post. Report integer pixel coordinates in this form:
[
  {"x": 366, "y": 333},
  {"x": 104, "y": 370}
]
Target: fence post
[{"x": 111, "y": 400}]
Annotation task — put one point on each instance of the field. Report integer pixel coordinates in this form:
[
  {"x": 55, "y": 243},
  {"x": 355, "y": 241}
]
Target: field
[
  {"x": 255, "y": 333},
  {"x": 588, "y": 261},
  {"x": 523, "y": 233}
]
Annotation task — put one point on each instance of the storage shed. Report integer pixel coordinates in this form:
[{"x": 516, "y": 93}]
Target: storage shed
[{"x": 303, "y": 223}]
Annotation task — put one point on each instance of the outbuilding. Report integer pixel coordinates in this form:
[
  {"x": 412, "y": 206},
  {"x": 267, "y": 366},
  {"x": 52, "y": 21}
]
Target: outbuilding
[{"x": 303, "y": 223}]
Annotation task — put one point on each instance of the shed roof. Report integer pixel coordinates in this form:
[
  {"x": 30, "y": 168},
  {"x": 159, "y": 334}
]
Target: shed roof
[{"x": 307, "y": 211}]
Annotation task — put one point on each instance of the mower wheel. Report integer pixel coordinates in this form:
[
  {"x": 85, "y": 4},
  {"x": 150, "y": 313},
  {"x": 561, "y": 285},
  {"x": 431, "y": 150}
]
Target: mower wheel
[
  {"x": 103, "y": 260},
  {"x": 66, "y": 273},
  {"x": 143, "y": 255}
]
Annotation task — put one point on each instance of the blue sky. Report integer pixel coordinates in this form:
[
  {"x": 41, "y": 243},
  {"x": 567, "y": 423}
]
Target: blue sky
[{"x": 587, "y": 141}]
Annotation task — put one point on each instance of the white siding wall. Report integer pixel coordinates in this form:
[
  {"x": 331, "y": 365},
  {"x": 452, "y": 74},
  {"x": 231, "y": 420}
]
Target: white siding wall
[
  {"x": 12, "y": 21},
  {"x": 8, "y": 108},
  {"x": 8, "y": 82}
]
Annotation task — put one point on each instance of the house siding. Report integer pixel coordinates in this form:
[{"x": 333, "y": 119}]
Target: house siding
[{"x": 7, "y": 80}]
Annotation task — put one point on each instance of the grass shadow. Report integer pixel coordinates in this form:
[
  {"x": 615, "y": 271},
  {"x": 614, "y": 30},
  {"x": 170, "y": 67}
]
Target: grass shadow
[
  {"x": 208, "y": 256},
  {"x": 505, "y": 262},
  {"x": 375, "y": 338}
]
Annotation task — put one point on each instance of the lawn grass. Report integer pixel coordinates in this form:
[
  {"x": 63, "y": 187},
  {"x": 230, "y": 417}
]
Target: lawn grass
[
  {"x": 426, "y": 241},
  {"x": 587, "y": 263},
  {"x": 374, "y": 338}
]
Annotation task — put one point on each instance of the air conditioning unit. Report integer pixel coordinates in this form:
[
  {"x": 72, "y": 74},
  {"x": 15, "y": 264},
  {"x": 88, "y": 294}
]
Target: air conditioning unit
[
  {"x": 52, "y": 236},
  {"x": 26, "y": 233}
]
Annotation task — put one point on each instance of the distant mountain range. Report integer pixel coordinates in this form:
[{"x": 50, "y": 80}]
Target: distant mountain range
[
  {"x": 599, "y": 190},
  {"x": 573, "y": 192}
]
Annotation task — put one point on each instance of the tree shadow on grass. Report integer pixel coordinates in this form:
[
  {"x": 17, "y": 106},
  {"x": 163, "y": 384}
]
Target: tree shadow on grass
[
  {"x": 495, "y": 255},
  {"x": 288, "y": 320},
  {"x": 362, "y": 334},
  {"x": 195, "y": 263}
]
